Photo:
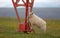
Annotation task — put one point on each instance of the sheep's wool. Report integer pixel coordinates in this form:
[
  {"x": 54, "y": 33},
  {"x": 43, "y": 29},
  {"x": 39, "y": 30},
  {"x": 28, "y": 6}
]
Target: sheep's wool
[{"x": 37, "y": 21}]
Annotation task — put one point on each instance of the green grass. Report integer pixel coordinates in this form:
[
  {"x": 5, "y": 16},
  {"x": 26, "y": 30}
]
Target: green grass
[{"x": 8, "y": 28}]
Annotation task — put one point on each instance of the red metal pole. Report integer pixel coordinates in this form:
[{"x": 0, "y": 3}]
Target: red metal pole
[
  {"x": 32, "y": 1},
  {"x": 27, "y": 1},
  {"x": 31, "y": 5},
  {"x": 27, "y": 4},
  {"x": 15, "y": 5}
]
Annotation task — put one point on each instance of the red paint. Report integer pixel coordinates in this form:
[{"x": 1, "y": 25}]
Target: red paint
[{"x": 24, "y": 26}]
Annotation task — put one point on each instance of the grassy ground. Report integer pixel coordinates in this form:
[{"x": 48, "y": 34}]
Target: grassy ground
[{"x": 8, "y": 28}]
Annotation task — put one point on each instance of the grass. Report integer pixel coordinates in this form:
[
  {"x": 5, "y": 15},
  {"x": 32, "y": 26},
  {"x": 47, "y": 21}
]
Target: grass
[{"x": 8, "y": 28}]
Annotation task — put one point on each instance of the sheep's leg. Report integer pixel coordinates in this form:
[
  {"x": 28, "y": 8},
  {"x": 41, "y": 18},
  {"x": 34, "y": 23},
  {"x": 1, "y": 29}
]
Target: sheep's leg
[
  {"x": 44, "y": 28},
  {"x": 31, "y": 27}
]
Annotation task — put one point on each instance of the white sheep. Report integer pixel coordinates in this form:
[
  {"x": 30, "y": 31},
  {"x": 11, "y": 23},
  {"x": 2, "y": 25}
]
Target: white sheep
[{"x": 34, "y": 20}]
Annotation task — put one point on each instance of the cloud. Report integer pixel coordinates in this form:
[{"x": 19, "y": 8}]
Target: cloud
[
  {"x": 47, "y": 3},
  {"x": 5, "y": 3},
  {"x": 37, "y": 3}
]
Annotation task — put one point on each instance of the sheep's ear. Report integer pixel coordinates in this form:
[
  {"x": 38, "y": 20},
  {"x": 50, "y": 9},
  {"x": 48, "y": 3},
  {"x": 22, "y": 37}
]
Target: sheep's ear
[{"x": 31, "y": 13}]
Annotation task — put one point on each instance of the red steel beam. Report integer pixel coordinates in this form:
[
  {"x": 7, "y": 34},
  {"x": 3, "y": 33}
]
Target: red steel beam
[
  {"x": 15, "y": 5},
  {"x": 26, "y": 17},
  {"x": 27, "y": 4},
  {"x": 31, "y": 5}
]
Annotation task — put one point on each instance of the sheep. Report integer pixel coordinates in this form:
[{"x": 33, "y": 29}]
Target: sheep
[{"x": 34, "y": 20}]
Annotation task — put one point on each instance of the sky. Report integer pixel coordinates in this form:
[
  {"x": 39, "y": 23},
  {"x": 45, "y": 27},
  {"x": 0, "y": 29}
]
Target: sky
[{"x": 37, "y": 3}]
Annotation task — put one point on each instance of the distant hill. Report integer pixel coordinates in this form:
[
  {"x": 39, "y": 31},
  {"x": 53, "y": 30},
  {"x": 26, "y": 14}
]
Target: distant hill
[{"x": 41, "y": 12}]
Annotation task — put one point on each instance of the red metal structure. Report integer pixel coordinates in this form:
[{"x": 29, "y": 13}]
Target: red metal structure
[{"x": 24, "y": 27}]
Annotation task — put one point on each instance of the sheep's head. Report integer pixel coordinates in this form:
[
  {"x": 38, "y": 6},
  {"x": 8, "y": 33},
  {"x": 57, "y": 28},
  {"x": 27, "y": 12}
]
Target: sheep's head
[{"x": 30, "y": 14}]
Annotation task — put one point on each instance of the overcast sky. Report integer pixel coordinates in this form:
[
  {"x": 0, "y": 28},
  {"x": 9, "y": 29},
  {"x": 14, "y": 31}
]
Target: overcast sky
[{"x": 37, "y": 3}]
